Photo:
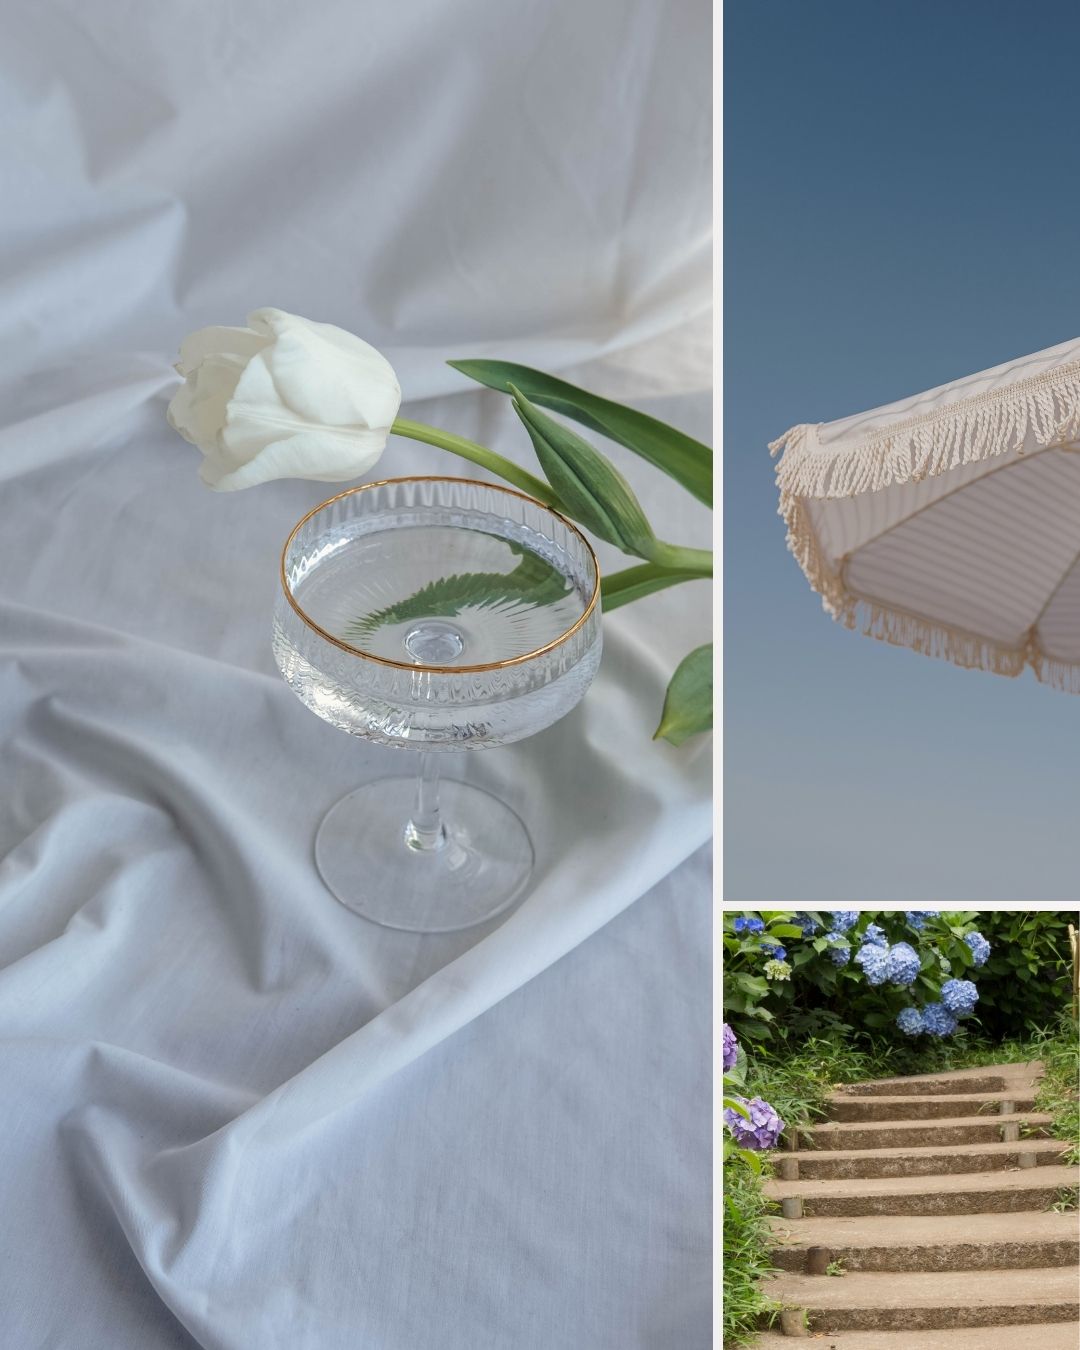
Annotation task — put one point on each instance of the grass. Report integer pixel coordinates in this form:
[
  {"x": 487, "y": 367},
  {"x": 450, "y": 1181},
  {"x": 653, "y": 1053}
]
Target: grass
[
  {"x": 746, "y": 1254},
  {"x": 1057, "y": 1094},
  {"x": 797, "y": 1078}
]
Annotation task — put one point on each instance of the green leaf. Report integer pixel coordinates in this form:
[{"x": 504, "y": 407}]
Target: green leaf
[
  {"x": 676, "y": 454},
  {"x": 688, "y": 707},
  {"x": 533, "y": 582},
  {"x": 592, "y": 489},
  {"x": 784, "y": 930},
  {"x": 730, "y": 1103},
  {"x": 634, "y": 583}
]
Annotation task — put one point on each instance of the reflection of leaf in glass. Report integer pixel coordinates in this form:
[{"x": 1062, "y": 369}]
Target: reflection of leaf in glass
[{"x": 534, "y": 581}]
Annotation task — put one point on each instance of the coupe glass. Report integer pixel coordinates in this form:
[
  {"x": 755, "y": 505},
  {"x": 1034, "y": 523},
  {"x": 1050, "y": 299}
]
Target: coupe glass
[{"x": 434, "y": 614}]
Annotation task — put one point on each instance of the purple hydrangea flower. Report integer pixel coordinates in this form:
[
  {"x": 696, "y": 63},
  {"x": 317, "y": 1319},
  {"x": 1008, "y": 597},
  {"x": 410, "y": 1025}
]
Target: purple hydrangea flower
[
  {"x": 874, "y": 961},
  {"x": 917, "y": 917},
  {"x": 959, "y": 996},
  {"x": 980, "y": 948},
  {"x": 742, "y": 925},
  {"x": 938, "y": 1020},
  {"x": 730, "y": 1051},
  {"x": 843, "y": 919},
  {"x": 761, "y": 1131},
  {"x": 875, "y": 936},
  {"x": 903, "y": 964},
  {"x": 910, "y": 1021},
  {"x": 774, "y": 950}
]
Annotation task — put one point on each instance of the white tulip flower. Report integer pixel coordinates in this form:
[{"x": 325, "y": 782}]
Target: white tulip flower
[{"x": 283, "y": 398}]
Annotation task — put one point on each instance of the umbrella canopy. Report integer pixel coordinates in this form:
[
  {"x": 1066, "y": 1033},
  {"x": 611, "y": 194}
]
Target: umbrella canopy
[{"x": 950, "y": 522}]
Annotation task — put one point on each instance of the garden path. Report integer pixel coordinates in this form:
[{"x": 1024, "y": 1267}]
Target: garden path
[{"x": 939, "y": 1215}]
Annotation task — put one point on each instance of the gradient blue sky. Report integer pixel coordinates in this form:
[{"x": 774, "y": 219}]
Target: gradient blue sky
[{"x": 901, "y": 207}]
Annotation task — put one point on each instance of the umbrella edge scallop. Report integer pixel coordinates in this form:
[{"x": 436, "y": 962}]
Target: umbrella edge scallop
[{"x": 969, "y": 561}]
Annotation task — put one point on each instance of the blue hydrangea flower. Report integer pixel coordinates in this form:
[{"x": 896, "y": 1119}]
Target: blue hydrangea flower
[
  {"x": 774, "y": 949},
  {"x": 910, "y": 1021},
  {"x": 730, "y": 1050},
  {"x": 875, "y": 935},
  {"x": 761, "y": 1131},
  {"x": 938, "y": 1020},
  {"x": 903, "y": 964},
  {"x": 980, "y": 948},
  {"x": 742, "y": 925},
  {"x": 808, "y": 925},
  {"x": 917, "y": 917},
  {"x": 959, "y": 996},
  {"x": 839, "y": 952},
  {"x": 874, "y": 961},
  {"x": 843, "y": 919}
]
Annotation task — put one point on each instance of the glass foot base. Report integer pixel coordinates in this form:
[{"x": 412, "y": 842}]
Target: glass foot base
[{"x": 370, "y": 859}]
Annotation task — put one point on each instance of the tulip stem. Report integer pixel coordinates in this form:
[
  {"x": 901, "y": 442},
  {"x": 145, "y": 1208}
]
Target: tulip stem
[
  {"x": 478, "y": 454},
  {"x": 676, "y": 558}
]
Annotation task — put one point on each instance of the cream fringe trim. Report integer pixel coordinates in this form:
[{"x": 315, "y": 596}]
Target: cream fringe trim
[
  {"x": 1045, "y": 407},
  {"x": 903, "y": 629}
]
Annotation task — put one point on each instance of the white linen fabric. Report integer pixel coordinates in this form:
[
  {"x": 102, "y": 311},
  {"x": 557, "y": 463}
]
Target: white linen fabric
[
  {"x": 234, "y": 1115},
  {"x": 950, "y": 522}
]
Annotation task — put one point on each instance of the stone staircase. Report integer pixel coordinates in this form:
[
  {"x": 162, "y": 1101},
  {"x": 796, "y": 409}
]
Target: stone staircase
[{"x": 939, "y": 1214}]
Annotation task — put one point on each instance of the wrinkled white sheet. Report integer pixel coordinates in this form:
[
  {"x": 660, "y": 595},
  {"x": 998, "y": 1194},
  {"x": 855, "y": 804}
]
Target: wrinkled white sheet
[{"x": 232, "y": 1114}]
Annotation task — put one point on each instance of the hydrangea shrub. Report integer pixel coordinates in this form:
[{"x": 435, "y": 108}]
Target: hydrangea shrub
[
  {"x": 753, "y": 1125},
  {"x": 913, "y": 971}
]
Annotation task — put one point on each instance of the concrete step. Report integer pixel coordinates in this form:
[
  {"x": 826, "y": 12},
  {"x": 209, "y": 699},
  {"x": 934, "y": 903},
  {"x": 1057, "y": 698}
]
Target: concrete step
[
  {"x": 925, "y": 1087},
  {"x": 1030, "y": 1238},
  {"x": 902, "y": 1301},
  {"x": 929, "y": 1160},
  {"x": 989, "y": 1078},
  {"x": 1044, "y": 1335},
  {"x": 906, "y": 1107},
  {"x": 977, "y": 1193},
  {"x": 906, "y": 1133}
]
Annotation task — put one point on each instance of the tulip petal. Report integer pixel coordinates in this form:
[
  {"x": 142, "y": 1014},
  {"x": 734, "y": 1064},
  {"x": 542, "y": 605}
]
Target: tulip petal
[
  {"x": 325, "y": 456},
  {"x": 215, "y": 341},
  {"x": 328, "y": 375}
]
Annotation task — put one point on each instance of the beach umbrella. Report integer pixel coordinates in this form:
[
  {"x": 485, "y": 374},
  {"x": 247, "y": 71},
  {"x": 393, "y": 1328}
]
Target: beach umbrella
[{"x": 949, "y": 522}]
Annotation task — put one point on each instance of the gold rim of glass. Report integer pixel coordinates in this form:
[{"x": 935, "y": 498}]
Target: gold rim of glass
[{"x": 416, "y": 666}]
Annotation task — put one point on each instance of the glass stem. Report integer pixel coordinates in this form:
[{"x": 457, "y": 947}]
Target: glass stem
[{"x": 426, "y": 832}]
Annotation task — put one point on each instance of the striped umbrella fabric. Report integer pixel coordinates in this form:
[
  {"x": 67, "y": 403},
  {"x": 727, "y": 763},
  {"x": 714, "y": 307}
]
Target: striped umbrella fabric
[{"x": 950, "y": 522}]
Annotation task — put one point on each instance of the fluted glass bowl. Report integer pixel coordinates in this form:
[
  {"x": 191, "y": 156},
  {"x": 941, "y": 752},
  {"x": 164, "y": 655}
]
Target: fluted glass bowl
[{"x": 434, "y": 614}]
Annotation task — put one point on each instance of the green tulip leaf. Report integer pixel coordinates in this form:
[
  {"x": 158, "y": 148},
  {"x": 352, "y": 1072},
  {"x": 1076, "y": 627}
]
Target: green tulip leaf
[
  {"x": 686, "y": 460},
  {"x": 634, "y": 583},
  {"x": 589, "y": 486},
  {"x": 688, "y": 707}
]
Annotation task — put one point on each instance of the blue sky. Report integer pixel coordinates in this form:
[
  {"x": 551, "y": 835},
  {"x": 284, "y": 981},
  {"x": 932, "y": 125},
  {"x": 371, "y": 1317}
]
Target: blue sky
[{"x": 901, "y": 207}]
